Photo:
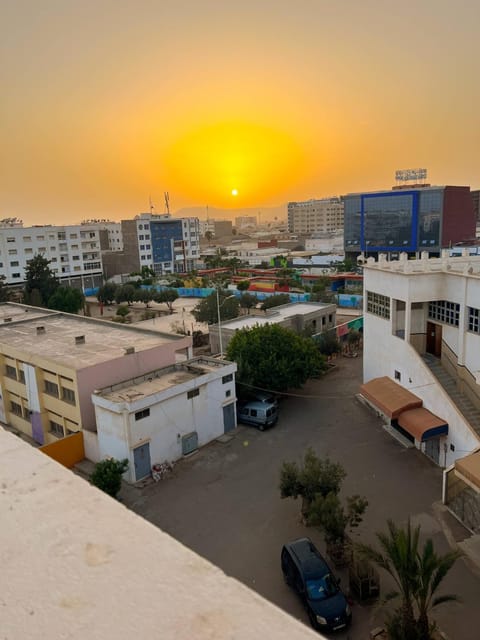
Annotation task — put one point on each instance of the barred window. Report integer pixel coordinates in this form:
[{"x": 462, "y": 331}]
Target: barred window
[
  {"x": 144, "y": 413},
  {"x": 227, "y": 378},
  {"x": 56, "y": 429},
  {"x": 10, "y": 372},
  {"x": 16, "y": 408},
  {"x": 51, "y": 388},
  {"x": 473, "y": 320},
  {"x": 378, "y": 305},
  {"x": 68, "y": 395},
  {"x": 192, "y": 393},
  {"x": 444, "y": 311}
]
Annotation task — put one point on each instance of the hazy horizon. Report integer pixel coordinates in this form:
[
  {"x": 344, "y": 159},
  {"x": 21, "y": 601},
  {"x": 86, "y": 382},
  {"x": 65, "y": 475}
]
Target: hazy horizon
[{"x": 106, "y": 105}]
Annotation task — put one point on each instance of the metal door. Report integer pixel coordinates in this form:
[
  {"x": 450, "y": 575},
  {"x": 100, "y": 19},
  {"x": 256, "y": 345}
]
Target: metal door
[
  {"x": 229, "y": 417},
  {"x": 432, "y": 449},
  {"x": 189, "y": 443},
  {"x": 434, "y": 339},
  {"x": 141, "y": 459}
]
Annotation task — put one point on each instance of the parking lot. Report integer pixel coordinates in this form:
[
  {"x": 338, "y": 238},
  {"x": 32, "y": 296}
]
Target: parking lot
[{"x": 224, "y": 503}]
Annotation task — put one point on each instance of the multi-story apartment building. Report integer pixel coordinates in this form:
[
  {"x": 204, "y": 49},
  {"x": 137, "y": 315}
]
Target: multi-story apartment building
[
  {"x": 51, "y": 363},
  {"x": 217, "y": 228},
  {"x": 245, "y": 221},
  {"x": 74, "y": 251},
  {"x": 408, "y": 219},
  {"x": 161, "y": 242},
  {"x": 312, "y": 216}
]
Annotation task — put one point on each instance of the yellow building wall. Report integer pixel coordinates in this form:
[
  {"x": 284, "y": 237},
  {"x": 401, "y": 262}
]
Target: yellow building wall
[{"x": 67, "y": 451}]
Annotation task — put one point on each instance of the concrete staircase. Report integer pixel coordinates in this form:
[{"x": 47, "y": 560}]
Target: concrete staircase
[{"x": 463, "y": 404}]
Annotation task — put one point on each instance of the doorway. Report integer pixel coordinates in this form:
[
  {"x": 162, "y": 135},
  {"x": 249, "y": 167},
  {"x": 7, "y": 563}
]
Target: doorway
[
  {"x": 229, "y": 417},
  {"x": 141, "y": 460},
  {"x": 434, "y": 339}
]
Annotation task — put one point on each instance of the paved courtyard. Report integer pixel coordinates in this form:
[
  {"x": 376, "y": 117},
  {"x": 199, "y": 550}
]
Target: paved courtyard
[{"x": 223, "y": 502}]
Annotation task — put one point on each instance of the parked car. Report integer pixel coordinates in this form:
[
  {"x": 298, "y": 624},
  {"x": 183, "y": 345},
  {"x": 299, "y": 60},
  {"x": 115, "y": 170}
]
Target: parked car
[
  {"x": 307, "y": 572},
  {"x": 259, "y": 414}
]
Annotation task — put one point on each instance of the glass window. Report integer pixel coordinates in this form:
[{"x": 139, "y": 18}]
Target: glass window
[
  {"x": 227, "y": 378},
  {"x": 142, "y": 414},
  {"x": 68, "y": 395},
  {"x": 444, "y": 311},
  {"x": 192, "y": 393},
  {"x": 378, "y": 305},
  {"x": 51, "y": 388},
  {"x": 473, "y": 320},
  {"x": 56, "y": 429}
]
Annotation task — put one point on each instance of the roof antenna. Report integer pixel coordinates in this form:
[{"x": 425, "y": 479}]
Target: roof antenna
[
  {"x": 167, "y": 202},
  {"x": 152, "y": 206}
]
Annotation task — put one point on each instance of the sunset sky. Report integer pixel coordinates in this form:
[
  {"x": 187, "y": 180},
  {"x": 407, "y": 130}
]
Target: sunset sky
[{"x": 107, "y": 102}]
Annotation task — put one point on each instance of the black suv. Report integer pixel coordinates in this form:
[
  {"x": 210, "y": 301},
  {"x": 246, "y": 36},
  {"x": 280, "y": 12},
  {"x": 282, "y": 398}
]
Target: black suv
[{"x": 307, "y": 572}]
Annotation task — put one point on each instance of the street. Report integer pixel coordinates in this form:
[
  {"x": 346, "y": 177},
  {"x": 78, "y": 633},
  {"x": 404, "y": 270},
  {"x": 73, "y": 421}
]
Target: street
[{"x": 224, "y": 501}]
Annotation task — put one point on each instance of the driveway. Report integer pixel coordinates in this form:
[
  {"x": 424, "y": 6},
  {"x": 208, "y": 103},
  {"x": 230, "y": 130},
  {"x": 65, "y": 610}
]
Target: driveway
[{"x": 224, "y": 501}]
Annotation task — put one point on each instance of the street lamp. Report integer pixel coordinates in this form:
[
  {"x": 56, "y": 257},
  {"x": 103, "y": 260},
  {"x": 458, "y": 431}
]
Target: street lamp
[{"x": 220, "y": 321}]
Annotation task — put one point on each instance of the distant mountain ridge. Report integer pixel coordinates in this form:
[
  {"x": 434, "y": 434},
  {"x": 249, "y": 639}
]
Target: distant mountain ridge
[{"x": 263, "y": 214}]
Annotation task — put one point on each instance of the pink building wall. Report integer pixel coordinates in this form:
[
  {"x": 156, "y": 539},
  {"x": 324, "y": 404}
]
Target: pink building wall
[{"x": 120, "y": 369}]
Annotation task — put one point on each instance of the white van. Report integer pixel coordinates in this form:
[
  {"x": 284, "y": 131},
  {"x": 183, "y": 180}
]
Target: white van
[{"x": 260, "y": 414}]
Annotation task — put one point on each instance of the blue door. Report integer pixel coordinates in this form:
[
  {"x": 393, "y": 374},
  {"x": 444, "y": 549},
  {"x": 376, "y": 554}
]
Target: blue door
[
  {"x": 229, "y": 417},
  {"x": 141, "y": 459}
]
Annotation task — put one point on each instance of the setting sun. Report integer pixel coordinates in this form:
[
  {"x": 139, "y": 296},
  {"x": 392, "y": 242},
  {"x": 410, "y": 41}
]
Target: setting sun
[{"x": 234, "y": 192}]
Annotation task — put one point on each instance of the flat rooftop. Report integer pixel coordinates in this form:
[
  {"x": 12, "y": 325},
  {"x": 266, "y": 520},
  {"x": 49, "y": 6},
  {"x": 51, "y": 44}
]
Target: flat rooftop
[
  {"x": 18, "y": 312},
  {"x": 57, "y": 340},
  {"x": 161, "y": 379},
  {"x": 280, "y": 313}
]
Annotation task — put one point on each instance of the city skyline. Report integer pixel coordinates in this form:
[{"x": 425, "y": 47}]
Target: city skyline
[{"x": 234, "y": 107}]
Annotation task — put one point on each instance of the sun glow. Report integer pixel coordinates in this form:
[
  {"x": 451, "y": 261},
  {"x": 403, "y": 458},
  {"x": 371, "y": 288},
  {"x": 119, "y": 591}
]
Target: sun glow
[{"x": 234, "y": 192}]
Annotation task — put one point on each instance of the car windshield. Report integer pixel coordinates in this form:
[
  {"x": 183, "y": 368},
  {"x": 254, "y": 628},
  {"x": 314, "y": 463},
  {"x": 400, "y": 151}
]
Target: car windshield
[{"x": 321, "y": 588}]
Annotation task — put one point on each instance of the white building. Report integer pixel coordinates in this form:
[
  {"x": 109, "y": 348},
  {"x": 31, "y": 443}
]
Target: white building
[
  {"x": 311, "y": 216},
  {"x": 74, "y": 251},
  {"x": 241, "y": 222},
  {"x": 422, "y": 330},
  {"x": 326, "y": 242},
  {"x": 166, "y": 413}
]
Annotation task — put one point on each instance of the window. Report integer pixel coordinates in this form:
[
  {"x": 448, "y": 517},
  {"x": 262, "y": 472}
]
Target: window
[
  {"x": 141, "y": 237},
  {"x": 228, "y": 393},
  {"x": 16, "y": 408},
  {"x": 27, "y": 238},
  {"x": 28, "y": 250},
  {"x": 42, "y": 237},
  {"x": 378, "y": 305},
  {"x": 16, "y": 275},
  {"x": 15, "y": 263},
  {"x": 142, "y": 414},
  {"x": 330, "y": 318},
  {"x": 192, "y": 393},
  {"x": 10, "y": 372},
  {"x": 398, "y": 375},
  {"x": 73, "y": 236},
  {"x": 51, "y": 388},
  {"x": 227, "y": 378},
  {"x": 12, "y": 252},
  {"x": 444, "y": 311},
  {"x": 68, "y": 395},
  {"x": 56, "y": 429},
  {"x": 473, "y": 320},
  {"x": 10, "y": 239}
]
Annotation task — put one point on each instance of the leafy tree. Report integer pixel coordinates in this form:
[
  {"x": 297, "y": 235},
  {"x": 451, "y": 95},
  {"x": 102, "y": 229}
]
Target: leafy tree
[
  {"x": 106, "y": 293},
  {"x": 347, "y": 265},
  {"x": 247, "y": 300},
  {"x": 125, "y": 293},
  {"x": 144, "y": 295},
  {"x": 207, "y": 310},
  {"x": 328, "y": 343},
  {"x": 273, "y": 357},
  {"x": 353, "y": 339},
  {"x": 417, "y": 575},
  {"x": 243, "y": 285},
  {"x": 208, "y": 236},
  {"x": 328, "y": 513},
  {"x": 167, "y": 296},
  {"x": 67, "y": 299},
  {"x": 107, "y": 475},
  {"x": 276, "y": 301},
  {"x": 5, "y": 293},
  {"x": 39, "y": 277}
]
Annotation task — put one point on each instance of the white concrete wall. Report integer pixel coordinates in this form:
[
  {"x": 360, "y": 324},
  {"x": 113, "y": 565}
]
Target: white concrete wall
[{"x": 384, "y": 354}]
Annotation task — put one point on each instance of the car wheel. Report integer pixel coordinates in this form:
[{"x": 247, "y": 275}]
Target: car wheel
[{"x": 261, "y": 427}]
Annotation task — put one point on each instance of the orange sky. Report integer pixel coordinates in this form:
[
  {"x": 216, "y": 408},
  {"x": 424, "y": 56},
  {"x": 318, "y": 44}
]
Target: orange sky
[{"x": 109, "y": 102}]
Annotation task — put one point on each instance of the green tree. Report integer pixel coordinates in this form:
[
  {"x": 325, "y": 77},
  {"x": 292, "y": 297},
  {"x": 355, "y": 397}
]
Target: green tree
[
  {"x": 107, "y": 475},
  {"x": 106, "y": 293},
  {"x": 417, "y": 575},
  {"x": 328, "y": 343},
  {"x": 122, "y": 312},
  {"x": 144, "y": 295},
  {"x": 168, "y": 297},
  {"x": 207, "y": 310},
  {"x": 275, "y": 301},
  {"x": 39, "y": 277},
  {"x": 247, "y": 300},
  {"x": 68, "y": 299},
  {"x": 125, "y": 293},
  {"x": 272, "y": 357},
  {"x": 5, "y": 293},
  {"x": 243, "y": 285}
]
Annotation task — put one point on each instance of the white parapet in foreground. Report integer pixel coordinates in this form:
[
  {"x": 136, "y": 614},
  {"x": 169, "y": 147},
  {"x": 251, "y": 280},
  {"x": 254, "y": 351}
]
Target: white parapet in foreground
[{"x": 76, "y": 564}]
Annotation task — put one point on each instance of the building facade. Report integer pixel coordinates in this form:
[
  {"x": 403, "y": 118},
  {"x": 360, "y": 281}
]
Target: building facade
[
  {"x": 51, "y": 362},
  {"x": 422, "y": 330},
  {"x": 412, "y": 219},
  {"x": 241, "y": 222},
  {"x": 74, "y": 251},
  {"x": 315, "y": 216},
  {"x": 166, "y": 414}
]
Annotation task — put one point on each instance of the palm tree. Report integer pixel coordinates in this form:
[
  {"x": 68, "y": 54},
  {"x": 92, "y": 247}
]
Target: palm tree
[
  {"x": 432, "y": 569},
  {"x": 417, "y": 576}
]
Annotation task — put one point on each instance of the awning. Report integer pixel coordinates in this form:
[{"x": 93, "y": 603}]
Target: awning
[
  {"x": 422, "y": 424},
  {"x": 391, "y": 398},
  {"x": 469, "y": 468}
]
